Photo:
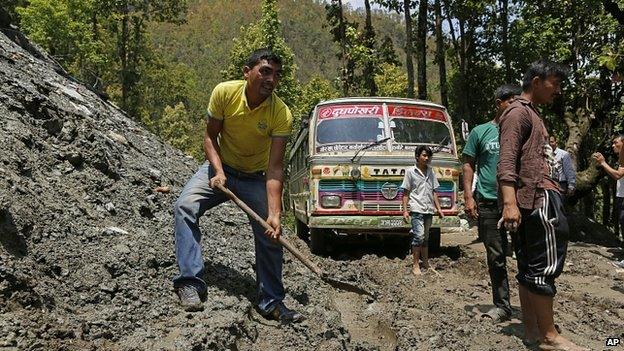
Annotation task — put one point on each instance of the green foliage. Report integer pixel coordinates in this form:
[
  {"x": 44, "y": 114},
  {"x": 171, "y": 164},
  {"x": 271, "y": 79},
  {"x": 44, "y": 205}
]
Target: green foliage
[
  {"x": 104, "y": 43},
  {"x": 181, "y": 130},
  {"x": 387, "y": 53},
  {"x": 363, "y": 55},
  {"x": 316, "y": 90},
  {"x": 8, "y": 13},
  {"x": 391, "y": 81},
  {"x": 267, "y": 33},
  {"x": 175, "y": 127},
  {"x": 581, "y": 35},
  {"x": 168, "y": 83},
  {"x": 65, "y": 29}
]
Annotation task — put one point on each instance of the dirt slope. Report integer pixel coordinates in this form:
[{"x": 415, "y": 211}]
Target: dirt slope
[{"x": 86, "y": 252}]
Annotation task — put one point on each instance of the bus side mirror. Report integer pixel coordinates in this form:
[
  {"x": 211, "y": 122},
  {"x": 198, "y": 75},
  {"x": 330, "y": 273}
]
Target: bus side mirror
[{"x": 464, "y": 130}]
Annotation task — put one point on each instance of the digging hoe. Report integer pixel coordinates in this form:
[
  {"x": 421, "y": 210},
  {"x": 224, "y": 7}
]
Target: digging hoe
[{"x": 346, "y": 286}]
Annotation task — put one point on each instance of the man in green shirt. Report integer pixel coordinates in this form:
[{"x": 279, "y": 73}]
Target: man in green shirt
[{"x": 481, "y": 153}]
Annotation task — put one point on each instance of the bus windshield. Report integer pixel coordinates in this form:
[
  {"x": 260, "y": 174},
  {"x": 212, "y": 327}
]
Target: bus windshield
[
  {"x": 349, "y": 127},
  {"x": 410, "y": 131},
  {"x": 351, "y": 133}
]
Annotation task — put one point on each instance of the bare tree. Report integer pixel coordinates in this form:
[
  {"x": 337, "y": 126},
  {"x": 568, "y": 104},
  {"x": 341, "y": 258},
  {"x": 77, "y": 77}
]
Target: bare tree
[
  {"x": 421, "y": 49},
  {"x": 409, "y": 64},
  {"x": 440, "y": 56}
]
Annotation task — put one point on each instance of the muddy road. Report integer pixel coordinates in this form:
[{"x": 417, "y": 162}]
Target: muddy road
[{"x": 441, "y": 310}]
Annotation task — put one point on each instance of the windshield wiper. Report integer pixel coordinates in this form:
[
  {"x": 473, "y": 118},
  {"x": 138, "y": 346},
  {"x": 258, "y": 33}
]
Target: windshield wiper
[
  {"x": 368, "y": 147},
  {"x": 440, "y": 144}
]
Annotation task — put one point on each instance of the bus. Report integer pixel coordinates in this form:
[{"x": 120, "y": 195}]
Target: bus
[{"x": 348, "y": 162}]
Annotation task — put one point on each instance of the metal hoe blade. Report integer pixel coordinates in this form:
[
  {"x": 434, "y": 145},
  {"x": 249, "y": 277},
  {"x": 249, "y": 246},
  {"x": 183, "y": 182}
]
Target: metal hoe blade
[{"x": 342, "y": 285}]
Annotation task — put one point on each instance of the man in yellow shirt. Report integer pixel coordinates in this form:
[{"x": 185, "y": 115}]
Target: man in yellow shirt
[{"x": 246, "y": 134}]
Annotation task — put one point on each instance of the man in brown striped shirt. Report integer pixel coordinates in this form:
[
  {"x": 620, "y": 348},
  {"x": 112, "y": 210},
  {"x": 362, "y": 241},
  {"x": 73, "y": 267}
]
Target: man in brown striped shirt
[{"x": 532, "y": 205}]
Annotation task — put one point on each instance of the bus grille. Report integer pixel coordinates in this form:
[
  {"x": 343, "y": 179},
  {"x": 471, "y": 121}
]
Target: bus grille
[
  {"x": 368, "y": 192},
  {"x": 368, "y": 206}
]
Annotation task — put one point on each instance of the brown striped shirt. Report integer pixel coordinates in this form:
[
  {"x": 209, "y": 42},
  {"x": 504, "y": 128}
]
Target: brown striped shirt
[{"x": 524, "y": 154}]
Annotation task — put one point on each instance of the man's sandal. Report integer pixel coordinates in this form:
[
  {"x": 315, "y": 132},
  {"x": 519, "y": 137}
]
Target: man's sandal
[{"x": 496, "y": 314}]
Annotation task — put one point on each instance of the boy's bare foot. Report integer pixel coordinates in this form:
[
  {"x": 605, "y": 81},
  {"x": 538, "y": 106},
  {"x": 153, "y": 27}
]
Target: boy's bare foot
[
  {"x": 560, "y": 344},
  {"x": 416, "y": 270}
]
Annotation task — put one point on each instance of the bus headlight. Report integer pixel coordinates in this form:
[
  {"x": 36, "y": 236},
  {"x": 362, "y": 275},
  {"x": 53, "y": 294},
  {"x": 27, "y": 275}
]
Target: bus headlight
[
  {"x": 330, "y": 201},
  {"x": 445, "y": 201}
]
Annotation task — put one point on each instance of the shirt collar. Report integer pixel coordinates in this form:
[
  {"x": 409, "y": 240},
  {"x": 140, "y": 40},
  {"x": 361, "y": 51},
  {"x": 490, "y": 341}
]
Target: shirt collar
[
  {"x": 264, "y": 103},
  {"x": 527, "y": 102},
  {"x": 416, "y": 169}
]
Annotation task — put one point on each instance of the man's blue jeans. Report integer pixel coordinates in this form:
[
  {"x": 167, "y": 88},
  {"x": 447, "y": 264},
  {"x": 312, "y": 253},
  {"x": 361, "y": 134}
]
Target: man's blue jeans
[{"x": 197, "y": 197}]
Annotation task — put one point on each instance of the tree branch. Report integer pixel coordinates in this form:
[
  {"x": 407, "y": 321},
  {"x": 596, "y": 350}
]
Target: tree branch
[
  {"x": 578, "y": 125},
  {"x": 615, "y": 11}
]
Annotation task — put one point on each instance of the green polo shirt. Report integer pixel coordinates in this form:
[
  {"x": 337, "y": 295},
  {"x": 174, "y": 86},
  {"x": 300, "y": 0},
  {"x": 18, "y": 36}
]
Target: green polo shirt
[{"x": 483, "y": 146}]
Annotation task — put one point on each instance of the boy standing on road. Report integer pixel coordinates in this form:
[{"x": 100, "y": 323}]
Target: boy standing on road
[
  {"x": 532, "y": 203},
  {"x": 420, "y": 184},
  {"x": 481, "y": 153}
]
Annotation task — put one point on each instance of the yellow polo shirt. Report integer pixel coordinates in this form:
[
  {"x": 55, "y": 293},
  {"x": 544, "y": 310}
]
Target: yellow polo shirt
[{"x": 245, "y": 139}]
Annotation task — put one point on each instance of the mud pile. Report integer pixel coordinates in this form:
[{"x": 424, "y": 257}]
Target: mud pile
[
  {"x": 86, "y": 245},
  {"x": 86, "y": 251}
]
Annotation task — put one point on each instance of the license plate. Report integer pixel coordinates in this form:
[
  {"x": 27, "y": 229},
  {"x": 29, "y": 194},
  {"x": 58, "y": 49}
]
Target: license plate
[{"x": 393, "y": 223}]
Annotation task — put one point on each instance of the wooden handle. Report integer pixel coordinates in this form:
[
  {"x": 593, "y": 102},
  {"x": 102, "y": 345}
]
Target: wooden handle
[{"x": 314, "y": 268}]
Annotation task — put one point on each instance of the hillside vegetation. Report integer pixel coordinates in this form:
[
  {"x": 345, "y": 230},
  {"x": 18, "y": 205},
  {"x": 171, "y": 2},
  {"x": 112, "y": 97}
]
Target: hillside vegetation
[{"x": 159, "y": 59}]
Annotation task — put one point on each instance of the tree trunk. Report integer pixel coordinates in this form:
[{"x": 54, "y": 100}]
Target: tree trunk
[
  {"x": 505, "y": 39},
  {"x": 463, "y": 76},
  {"x": 122, "y": 45},
  {"x": 462, "y": 45},
  {"x": 586, "y": 180},
  {"x": 421, "y": 50},
  {"x": 606, "y": 203},
  {"x": 615, "y": 216},
  {"x": 578, "y": 126},
  {"x": 343, "y": 48},
  {"x": 451, "y": 29},
  {"x": 440, "y": 56},
  {"x": 409, "y": 64},
  {"x": 369, "y": 37},
  {"x": 95, "y": 36},
  {"x": 612, "y": 7}
]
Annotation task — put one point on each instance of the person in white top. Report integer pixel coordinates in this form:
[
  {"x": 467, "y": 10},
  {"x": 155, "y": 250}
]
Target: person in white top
[
  {"x": 618, "y": 175},
  {"x": 419, "y": 186},
  {"x": 566, "y": 174}
]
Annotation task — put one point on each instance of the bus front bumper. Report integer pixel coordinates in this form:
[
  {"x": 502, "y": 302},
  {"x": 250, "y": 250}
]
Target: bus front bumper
[{"x": 376, "y": 223}]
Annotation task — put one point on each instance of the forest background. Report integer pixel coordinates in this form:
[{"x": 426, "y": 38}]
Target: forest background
[{"x": 160, "y": 59}]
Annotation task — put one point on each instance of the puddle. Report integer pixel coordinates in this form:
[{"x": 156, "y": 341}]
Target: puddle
[{"x": 364, "y": 321}]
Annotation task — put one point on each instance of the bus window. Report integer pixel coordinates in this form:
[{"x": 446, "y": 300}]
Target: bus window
[
  {"x": 420, "y": 131},
  {"x": 348, "y": 130}
]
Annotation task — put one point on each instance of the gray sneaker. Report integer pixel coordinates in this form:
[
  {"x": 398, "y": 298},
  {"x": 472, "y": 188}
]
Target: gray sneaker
[{"x": 189, "y": 298}]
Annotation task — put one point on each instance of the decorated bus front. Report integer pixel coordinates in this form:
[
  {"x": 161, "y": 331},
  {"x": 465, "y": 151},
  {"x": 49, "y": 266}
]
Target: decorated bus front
[{"x": 358, "y": 150}]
